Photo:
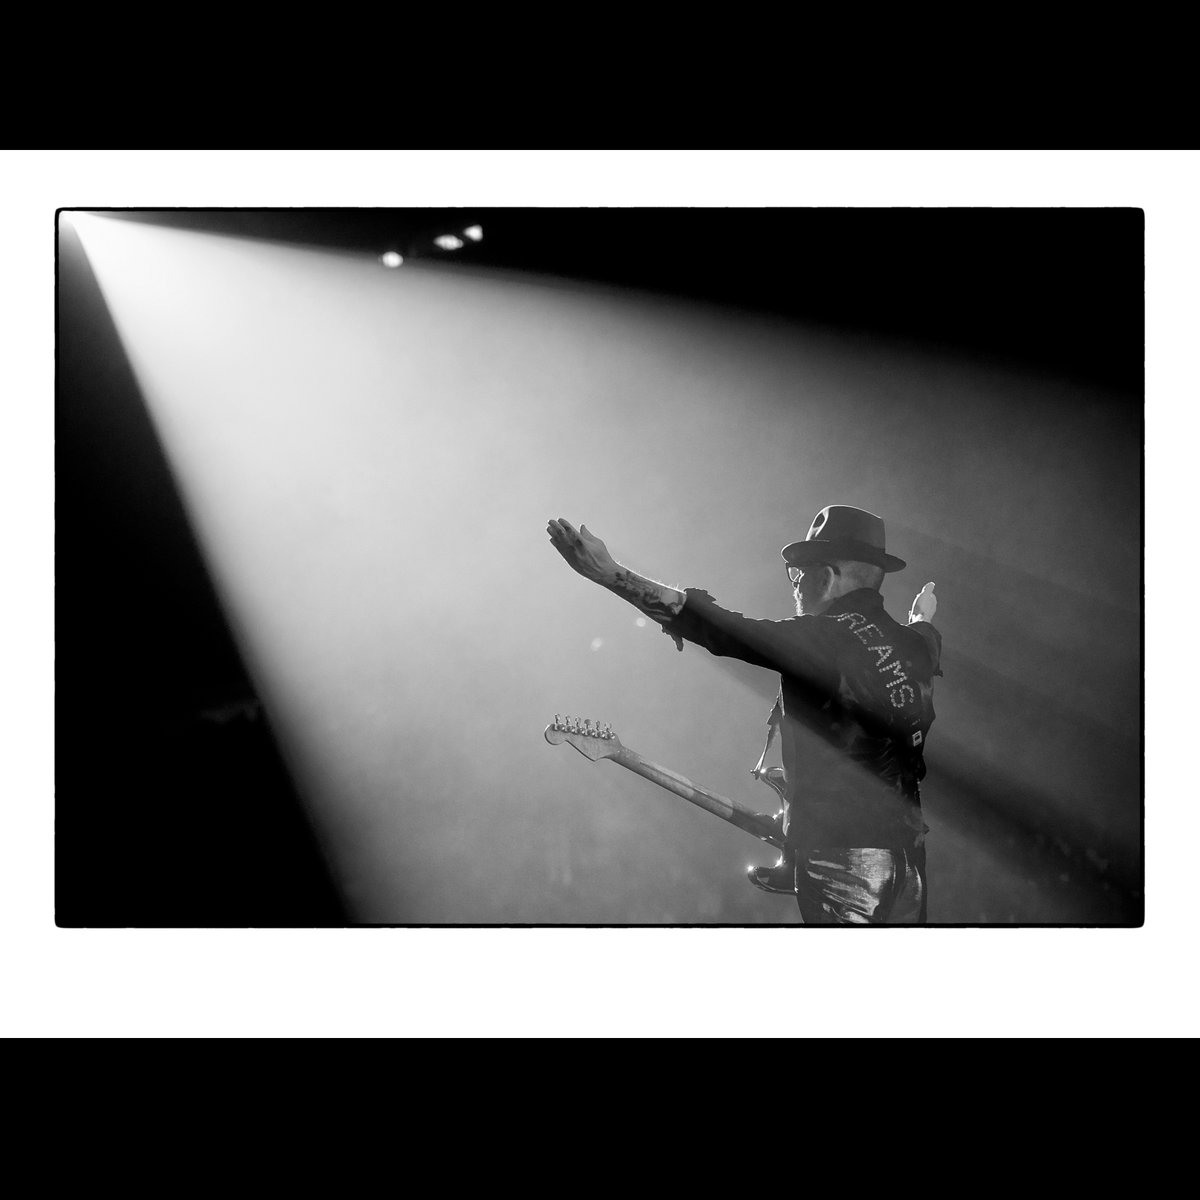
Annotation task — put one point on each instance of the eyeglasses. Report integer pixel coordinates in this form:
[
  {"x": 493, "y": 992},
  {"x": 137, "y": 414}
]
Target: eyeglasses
[{"x": 795, "y": 574}]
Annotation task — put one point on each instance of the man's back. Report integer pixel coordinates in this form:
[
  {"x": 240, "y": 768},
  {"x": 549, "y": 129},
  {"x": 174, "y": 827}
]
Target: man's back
[
  {"x": 856, "y": 691},
  {"x": 854, "y": 730}
]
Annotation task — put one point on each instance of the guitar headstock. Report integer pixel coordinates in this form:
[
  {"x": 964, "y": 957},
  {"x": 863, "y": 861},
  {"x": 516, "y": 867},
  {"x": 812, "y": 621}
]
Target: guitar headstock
[{"x": 591, "y": 739}]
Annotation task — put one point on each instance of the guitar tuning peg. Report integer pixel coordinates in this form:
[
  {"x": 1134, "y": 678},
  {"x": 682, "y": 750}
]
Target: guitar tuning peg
[
  {"x": 587, "y": 727},
  {"x": 557, "y": 721}
]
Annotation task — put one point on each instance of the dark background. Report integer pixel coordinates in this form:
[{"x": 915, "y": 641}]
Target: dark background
[{"x": 173, "y": 805}]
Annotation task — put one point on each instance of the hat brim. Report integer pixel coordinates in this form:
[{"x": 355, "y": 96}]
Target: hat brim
[{"x": 801, "y": 554}]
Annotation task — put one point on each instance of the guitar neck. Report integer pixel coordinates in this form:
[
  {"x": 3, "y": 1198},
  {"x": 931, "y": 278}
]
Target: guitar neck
[{"x": 720, "y": 806}]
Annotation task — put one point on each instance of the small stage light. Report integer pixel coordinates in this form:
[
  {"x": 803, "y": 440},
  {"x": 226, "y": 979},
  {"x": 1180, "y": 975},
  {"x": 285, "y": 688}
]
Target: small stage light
[
  {"x": 448, "y": 242},
  {"x": 391, "y": 259},
  {"x": 474, "y": 232}
]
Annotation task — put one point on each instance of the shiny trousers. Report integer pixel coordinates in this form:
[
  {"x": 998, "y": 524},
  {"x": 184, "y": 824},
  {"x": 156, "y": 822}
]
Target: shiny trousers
[{"x": 853, "y": 886}]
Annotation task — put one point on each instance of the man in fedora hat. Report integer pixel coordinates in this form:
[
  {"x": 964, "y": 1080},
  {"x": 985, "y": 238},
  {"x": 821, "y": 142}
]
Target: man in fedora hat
[{"x": 854, "y": 709}]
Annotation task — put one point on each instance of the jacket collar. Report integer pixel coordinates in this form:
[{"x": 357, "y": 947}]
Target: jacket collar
[{"x": 862, "y": 600}]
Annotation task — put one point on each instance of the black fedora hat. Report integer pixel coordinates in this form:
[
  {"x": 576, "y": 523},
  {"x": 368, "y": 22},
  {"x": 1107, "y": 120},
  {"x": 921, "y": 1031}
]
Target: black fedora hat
[{"x": 841, "y": 532}]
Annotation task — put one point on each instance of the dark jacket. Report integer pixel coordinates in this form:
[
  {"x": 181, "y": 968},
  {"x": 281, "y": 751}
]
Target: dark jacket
[{"x": 856, "y": 696}]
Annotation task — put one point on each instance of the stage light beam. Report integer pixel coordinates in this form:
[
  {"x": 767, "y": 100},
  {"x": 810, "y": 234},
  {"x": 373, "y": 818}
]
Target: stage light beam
[{"x": 370, "y": 499}]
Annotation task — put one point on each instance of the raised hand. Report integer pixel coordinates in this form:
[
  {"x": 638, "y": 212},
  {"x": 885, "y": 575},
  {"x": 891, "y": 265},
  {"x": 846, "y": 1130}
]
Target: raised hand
[
  {"x": 584, "y": 551},
  {"x": 924, "y": 606},
  {"x": 589, "y": 556}
]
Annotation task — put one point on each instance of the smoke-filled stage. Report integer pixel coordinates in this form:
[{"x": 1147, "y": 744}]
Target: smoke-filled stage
[{"x": 853, "y": 634}]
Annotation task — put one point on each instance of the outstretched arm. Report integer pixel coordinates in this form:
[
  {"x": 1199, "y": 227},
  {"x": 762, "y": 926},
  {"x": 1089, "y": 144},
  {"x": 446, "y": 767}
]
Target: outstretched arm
[
  {"x": 777, "y": 645},
  {"x": 587, "y": 554}
]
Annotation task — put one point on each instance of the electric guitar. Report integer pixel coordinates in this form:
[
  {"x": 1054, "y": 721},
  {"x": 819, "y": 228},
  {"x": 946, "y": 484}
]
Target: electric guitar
[{"x": 597, "y": 741}]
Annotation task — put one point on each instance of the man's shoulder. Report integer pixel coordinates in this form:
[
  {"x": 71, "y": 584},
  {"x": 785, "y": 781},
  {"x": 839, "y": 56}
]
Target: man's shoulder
[
  {"x": 863, "y": 607},
  {"x": 869, "y": 626},
  {"x": 861, "y": 615}
]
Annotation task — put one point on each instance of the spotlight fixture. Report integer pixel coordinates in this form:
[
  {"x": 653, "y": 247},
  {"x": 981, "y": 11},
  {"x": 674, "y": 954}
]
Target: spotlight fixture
[
  {"x": 448, "y": 242},
  {"x": 390, "y": 258}
]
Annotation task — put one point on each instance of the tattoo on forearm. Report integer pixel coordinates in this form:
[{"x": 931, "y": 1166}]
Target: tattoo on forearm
[{"x": 647, "y": 595}]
